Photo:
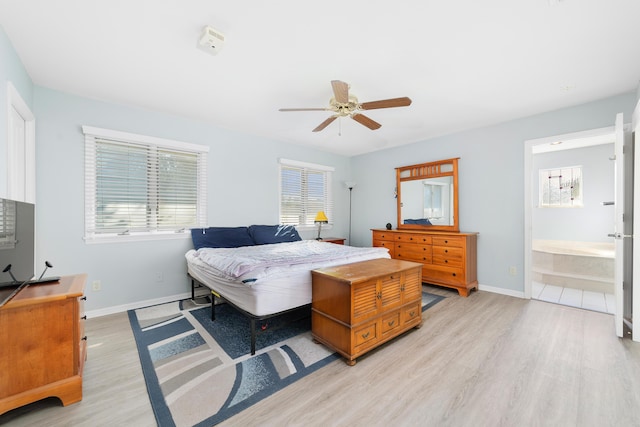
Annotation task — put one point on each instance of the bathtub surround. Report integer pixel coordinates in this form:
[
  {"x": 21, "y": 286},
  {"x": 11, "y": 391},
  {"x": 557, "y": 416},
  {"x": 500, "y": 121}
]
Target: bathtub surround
[{"x": 578, "y": 265}]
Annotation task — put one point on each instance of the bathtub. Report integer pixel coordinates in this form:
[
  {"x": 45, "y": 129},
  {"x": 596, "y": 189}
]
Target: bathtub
[{"x": 571, "y": 264}]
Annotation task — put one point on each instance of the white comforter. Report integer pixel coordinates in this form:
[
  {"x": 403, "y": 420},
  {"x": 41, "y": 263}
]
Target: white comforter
[{"x": 250, "y": 263}]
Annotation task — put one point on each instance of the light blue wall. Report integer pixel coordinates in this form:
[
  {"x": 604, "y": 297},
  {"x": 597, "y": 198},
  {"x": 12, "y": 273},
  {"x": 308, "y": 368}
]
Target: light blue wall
[
  {"x": 11, "y": 70},
  {"x": 491, "y": 180},
  {"x": 591, "y": 222},
  {"x": 243, "y": 190}
]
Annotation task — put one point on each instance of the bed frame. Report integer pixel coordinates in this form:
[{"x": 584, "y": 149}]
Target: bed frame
[{"x": 305, "y": 311}]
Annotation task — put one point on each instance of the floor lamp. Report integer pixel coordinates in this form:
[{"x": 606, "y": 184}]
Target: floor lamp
[{"x": 350, "y": 185}]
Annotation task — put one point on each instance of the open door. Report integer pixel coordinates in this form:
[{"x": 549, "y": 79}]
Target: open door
[{"x": 623, "y": 228}]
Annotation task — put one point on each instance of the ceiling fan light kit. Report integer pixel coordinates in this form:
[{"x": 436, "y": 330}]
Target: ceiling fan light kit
[{"x": 344, "y": 104}]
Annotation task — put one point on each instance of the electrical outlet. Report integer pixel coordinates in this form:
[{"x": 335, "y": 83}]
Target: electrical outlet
[
  {"x": 513, "y": 270},
  {"x": 96, "y": 285},
  {"x": 159, "y": 276}
]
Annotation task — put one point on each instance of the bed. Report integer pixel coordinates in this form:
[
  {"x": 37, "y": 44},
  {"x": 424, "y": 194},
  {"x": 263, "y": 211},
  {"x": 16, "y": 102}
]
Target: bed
[{"x": 264, "y": 270}]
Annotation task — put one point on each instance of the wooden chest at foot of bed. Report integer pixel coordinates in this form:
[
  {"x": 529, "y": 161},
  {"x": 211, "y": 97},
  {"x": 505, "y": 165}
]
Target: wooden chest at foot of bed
[{"x": 357, "y": 307}]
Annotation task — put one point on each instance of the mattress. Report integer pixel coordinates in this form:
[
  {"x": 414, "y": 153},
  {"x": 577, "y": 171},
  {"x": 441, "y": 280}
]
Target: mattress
[{"x": 268, "y": 279}]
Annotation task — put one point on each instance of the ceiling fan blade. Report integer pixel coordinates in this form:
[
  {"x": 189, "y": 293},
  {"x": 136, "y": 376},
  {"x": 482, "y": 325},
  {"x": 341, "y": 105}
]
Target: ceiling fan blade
[
  {"x": 325, "y": 124},
  {"x": 304, "y": 109},
  {"x": 386, "y": 103},
  {"x": 340, "y": 91},
  {"x": 364, "y": 120}
]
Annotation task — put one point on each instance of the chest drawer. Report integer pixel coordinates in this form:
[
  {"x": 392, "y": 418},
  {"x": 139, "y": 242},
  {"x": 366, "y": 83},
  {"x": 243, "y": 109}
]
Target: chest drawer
[
  {"x": 450, "y": 256},
  {"x": 385, "y": 244},
  {"x": 413, "y": 238},
  {"x": 445, "y": 275},
  {"x": 411, "y": 252},
  {"x": 383, "y": 235},
  {"x": 448, "y": 241}
]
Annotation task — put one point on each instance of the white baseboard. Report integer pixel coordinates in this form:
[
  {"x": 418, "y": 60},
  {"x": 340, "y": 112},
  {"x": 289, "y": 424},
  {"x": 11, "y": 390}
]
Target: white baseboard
[
  {"x": 502, "y": 291},
  {"x": 134, "y": 305}
]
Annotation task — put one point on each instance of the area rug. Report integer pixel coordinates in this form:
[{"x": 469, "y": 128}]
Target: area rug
[{"x": 199, "y": 372}]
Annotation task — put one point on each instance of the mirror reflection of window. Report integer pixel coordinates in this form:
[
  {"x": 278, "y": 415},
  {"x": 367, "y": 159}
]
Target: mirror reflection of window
[{"x": 433, "y": 208}]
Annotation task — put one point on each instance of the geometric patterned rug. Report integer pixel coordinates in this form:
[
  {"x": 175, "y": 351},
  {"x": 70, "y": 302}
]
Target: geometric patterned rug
[{"x": 200, "y": 372}]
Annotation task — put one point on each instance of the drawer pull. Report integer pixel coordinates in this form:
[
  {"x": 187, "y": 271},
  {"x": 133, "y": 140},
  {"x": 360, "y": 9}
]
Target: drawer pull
[
  {"x": 412, "y": 313},
  {"x": 446, "y": 261},
  {"x": 454, "y": 274},
  {"x": 446, "y": 241},
  {"x": 379, "y": 295},
  {"x": 410, "y": 238},
  {"x": 446, "y": 251},
  {"x": 391, "y": 323},
  {"x": 365, "y": 336}
]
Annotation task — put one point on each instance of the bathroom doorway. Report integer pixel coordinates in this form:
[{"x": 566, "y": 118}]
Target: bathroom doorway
[{"x": 571, "y": 212}]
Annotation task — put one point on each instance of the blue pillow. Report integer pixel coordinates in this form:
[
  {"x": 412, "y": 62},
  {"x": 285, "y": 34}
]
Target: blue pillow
[
  {"x": 221, "y": 237},
  {"x": 423, "y": 221},
  {"x": 268, "y": 234}
]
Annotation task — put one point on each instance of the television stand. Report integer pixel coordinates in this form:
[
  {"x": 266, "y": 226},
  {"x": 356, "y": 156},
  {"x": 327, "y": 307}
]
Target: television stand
[
  {"x": 45, "y": 280},
  {"x": 43, "y": 344}
]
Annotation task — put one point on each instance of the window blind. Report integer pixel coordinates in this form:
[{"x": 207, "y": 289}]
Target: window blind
[
  {"x": 134, "y": 187},
  {"x": 7, "y": 224},
  {"x": 305, "y": 189}
]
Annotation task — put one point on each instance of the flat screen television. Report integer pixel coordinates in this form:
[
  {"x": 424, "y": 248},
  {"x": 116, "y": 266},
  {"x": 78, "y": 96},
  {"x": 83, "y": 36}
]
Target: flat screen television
[{"x": 17, "y": 242}]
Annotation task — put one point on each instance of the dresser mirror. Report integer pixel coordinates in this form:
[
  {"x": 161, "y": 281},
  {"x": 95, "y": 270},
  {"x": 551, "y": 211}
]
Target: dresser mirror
[{"x": 428, "y": 196}]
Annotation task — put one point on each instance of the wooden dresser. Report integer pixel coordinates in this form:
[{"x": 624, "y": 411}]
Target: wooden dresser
[
  {"x": 42, "y": 344},
  {"x": 449, "y": 258},
  {"x": 356, "y": 307}
]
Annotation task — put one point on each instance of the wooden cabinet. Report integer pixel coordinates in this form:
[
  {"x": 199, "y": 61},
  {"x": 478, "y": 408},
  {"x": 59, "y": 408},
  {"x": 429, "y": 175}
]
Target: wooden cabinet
[
  {"x": 42, "y": 344},
  {"x": 356, "y": 307},
  {"x": 448, "y": 259}
]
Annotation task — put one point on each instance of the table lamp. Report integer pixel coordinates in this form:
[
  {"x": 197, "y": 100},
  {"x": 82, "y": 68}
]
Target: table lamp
[{"x": 321, "y": 218}]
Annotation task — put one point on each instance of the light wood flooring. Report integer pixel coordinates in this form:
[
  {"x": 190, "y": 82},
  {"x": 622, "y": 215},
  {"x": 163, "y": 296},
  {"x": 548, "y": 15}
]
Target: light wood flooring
[{"x": 485, "y": 360}]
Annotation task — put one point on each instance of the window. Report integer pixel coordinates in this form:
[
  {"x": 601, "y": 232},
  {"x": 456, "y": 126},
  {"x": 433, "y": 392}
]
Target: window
[
  {"x": 139, "y": 187},
  {"x": 305, "y": 189},
  {"x": 561, "y": 187}
]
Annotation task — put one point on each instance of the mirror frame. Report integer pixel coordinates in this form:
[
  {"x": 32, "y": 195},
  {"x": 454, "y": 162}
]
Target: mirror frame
[{"x": 425, "y": 171}]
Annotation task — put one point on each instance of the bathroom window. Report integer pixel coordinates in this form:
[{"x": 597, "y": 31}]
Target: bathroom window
[{"x": 561, "y": 187}]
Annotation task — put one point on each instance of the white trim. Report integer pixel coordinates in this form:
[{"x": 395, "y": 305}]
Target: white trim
[
  {"x": 144, "y": 139},
  {"x": 15, "y": 102},
  {"x": 135, "y": 305},
  {"x": 501, "y": 291},
  {"x": 594, "y": 136},
  {"x": 300, "y": 164}
]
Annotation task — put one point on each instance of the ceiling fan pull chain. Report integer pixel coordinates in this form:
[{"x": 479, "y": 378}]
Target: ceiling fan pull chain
[{"x": 339, "y": 126}]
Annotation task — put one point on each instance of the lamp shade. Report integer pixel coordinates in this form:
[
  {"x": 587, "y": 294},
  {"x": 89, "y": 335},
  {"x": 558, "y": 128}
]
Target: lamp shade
[{"x": 321, "y": 217}]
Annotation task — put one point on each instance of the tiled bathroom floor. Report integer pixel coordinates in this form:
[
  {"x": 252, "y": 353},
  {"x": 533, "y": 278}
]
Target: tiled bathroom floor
[{"x": 574, "y": 297}]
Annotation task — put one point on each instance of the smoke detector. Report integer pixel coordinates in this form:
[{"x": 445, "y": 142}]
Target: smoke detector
[{"x": 211, "y": 40}]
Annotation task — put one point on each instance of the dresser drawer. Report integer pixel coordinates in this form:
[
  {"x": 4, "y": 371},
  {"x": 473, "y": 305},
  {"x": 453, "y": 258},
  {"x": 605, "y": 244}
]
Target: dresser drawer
[
  {"x": 411, "y": 252},
  {"x": 413, "y": 238},
  {"x": 390, "y": 322},
  {"x": 383, "y": 235},
  {"x": 449, "y": 256},
  {"x": 385, "y": 244},
  {"x": 448, "y": 241},
  {"x": 412, "y": 313},
  {"x": 445, "y": 275},
  {"x": 365, "y": 336}
]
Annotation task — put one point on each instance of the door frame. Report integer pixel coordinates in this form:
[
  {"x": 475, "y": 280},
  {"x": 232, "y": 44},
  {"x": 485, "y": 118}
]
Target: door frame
[
  {"x": 569, "y": 141},
  {"x": 15, "y": 102}
]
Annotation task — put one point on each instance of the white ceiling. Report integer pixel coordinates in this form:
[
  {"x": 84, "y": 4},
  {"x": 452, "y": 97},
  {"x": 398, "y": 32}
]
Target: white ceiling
[{"x": 464, "y": 63}]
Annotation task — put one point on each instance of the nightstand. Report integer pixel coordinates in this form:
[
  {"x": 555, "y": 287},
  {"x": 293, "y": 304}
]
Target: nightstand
[{"x": 336, "y": 240}]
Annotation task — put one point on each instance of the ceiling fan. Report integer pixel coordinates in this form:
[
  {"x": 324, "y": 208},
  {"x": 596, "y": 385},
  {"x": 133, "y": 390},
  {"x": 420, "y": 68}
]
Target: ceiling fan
[{"x": 345, "y": 104}]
